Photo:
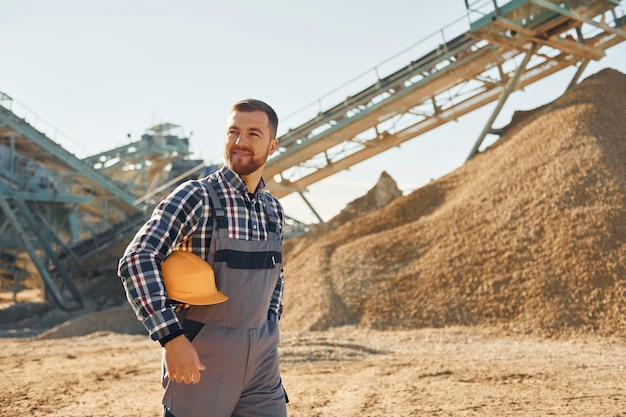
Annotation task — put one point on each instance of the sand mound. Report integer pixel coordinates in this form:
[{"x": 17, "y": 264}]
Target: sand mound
[
  {"x": 385, "y": 191},
  {"x": 105, "y": 309},
  {"x": 530, "y": 235},
  {"x": 117, "y": 319}
]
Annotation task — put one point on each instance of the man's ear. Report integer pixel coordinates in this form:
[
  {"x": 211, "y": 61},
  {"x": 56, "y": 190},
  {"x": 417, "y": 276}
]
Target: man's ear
[{"x": 273, "y": 146}]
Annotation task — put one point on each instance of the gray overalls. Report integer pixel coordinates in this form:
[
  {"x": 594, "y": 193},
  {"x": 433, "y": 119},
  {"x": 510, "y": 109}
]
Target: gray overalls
[{"x": 235, "y": 340}]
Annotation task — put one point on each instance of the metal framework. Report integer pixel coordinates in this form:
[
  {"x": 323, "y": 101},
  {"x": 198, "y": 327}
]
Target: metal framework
[
  {"x": 62, "y": 216},
  {"x": 507, "y": 47}
]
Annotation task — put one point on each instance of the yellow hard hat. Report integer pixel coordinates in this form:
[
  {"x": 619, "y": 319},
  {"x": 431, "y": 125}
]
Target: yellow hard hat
[{"x": 190, "y": 279}]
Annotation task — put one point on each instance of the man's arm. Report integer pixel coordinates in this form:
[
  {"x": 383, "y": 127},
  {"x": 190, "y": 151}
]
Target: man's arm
[
  {"x": 174, "y": 220},
  {"x": 276, "y": 303}
]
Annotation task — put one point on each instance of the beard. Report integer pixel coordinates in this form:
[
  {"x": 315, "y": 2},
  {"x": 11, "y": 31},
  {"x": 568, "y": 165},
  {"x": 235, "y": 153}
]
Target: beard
[{"x": 244, "y": 166}]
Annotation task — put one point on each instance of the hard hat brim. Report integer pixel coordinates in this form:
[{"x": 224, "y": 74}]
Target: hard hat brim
[{"x": 196, "y": 300}]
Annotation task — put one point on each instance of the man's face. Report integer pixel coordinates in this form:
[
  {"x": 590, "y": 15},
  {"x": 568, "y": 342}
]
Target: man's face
[{"x": 248, "y": 141}]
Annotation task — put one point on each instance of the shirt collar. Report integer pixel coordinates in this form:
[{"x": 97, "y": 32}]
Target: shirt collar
[{"x": 236, "y": 182}]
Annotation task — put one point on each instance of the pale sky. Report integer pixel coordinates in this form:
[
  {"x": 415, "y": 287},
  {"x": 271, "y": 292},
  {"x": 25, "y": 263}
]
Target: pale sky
[{"x": 97, "y": 71}]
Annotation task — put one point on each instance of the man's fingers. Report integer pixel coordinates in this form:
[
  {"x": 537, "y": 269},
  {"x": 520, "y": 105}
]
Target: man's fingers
[
  {"x": 194, "y": 374},
  {"x": 176, "y": 376},
  {"x": 195, "y": 377},
  {"x": 189, "y": 377}
]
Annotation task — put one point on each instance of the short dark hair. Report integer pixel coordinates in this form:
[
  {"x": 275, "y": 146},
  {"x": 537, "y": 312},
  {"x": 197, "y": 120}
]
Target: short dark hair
[{"x": 251, "y": 104}]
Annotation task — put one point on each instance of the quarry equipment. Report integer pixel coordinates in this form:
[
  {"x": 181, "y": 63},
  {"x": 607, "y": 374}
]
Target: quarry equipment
[
  {"x": 63, "y": 217},
  {"x": 456, "y": 70}
]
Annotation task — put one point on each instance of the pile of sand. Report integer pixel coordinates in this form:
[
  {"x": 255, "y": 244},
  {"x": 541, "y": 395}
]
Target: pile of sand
[
  {"x": 529, "y": 235},
  {"x": 104, "y": 309}
]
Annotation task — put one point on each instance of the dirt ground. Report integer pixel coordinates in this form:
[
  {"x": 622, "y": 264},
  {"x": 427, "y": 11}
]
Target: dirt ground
[{"x": 344, "y": 372}]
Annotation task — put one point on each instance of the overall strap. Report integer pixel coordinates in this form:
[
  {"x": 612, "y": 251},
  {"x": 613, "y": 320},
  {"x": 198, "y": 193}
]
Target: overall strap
[
  {"x": 272, "y": 218},
  {"x": 219, "y": 213}
]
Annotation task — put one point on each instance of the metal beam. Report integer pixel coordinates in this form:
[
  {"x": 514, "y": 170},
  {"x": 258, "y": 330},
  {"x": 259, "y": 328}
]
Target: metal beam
[
  {"x": 524, "y": 36},
  {"x": 27, "y": 131},
  {"x": 308, "y": 203},
  {"x": 169, "y": 184},
  {"x": 576, "y": 16},
  {"x": 25, "y": 239},
  {"x": 53, "y": 198},
  {"x": 512, "y": 84},
  {"x": 579, "y": 73}
]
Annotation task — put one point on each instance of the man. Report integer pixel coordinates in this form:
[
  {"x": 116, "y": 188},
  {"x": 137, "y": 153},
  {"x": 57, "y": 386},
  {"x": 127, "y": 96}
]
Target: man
[{"x": 219, "y": 360}]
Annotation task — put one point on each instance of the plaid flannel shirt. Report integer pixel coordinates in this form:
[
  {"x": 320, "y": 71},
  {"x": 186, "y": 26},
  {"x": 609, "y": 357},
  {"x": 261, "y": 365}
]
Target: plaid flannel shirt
[{"x": 183, "y": 219}]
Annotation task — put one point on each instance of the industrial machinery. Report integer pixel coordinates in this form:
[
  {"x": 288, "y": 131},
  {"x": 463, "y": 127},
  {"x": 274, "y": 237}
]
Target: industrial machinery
[
  {"x": 508, "y": 46},
  {"x": 62, "y": 217}
]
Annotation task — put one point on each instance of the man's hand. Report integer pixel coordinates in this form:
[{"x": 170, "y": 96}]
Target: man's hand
[{"x": 182, "y": 361}]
